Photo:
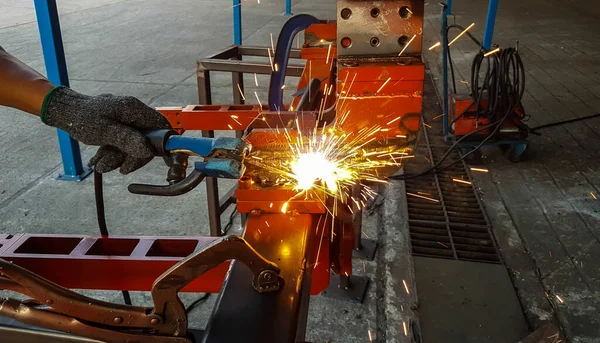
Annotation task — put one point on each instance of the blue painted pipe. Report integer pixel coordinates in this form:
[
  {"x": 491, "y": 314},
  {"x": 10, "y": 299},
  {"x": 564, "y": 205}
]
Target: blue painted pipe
[
  {"x": 288, "y": 7},
  {"x": 56, "y": 71},
  {"x": 282, "y": 55},
  {"x": 490, "y": 21},
  {"x": 445, "y": 128},
  {"x": 237, "y": 22}
]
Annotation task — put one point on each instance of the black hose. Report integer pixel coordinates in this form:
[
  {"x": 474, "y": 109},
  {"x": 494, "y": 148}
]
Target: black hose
[
  {"x": 99, "y": 197},
  {"x": 101, "y": 216}
]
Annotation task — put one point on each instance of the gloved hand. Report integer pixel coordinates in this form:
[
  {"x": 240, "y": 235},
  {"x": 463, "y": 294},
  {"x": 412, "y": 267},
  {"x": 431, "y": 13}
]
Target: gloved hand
[{"x": 115, "y": 123}]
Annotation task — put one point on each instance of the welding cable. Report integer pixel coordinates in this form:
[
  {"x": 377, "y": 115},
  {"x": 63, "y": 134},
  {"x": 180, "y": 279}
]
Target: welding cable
[
  {"x": 101, "y": 216},
  {"x": 99, "y": 197},
  {"x": 229, "y": 224},
  {"x": 563, "y": 122},
  {"x": 193, "y": 305}
]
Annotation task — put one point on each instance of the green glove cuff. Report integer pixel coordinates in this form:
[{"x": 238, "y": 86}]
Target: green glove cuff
[{"x": 46, "y": 103}]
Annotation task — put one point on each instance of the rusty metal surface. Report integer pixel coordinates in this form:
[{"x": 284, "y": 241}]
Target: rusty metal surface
[{"x": 380, "y": 27}]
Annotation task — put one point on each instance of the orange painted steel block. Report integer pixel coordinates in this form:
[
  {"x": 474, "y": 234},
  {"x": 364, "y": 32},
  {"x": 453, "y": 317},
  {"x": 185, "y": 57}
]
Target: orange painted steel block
[{"x": 385, "y": 94}]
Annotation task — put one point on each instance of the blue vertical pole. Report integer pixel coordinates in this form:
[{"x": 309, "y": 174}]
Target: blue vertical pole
[
  {"x": 237, "y": 22},
  {"x": 56, "y": 70},
  {"x": 445, "y": 114},
  {"x": 288, "y": 7},
  {"x": 490, "y": 20},
  {"x": 448, "y": 7}
]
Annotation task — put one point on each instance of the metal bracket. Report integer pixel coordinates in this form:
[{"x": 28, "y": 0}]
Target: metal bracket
[
  {"x": 350, "y": 288},
  {"x": 366, "y": 251}
]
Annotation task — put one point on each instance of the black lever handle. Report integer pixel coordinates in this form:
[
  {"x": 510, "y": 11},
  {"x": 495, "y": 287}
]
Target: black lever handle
[{"x": 179, "y": 188}]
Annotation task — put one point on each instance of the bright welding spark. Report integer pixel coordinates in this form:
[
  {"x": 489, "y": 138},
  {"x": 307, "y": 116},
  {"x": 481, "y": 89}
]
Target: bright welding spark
[
  {"x": 436, "y": 117},
  {"x": 241, "y": 93},
  {"x": 311, "y": 167},
  {"x": 442, "y": 244},
  {"x": 271, "y": 205},
  {"x": 491, "y": 52},
  {"x": 560, "y": 299},
  {"x": 260, "y": 159},
  {"x": 482, "y": 170},
  {"x": 461, "y": 181},
  {"x": 231, "y": 128},
  {"x": 272, "y": 44},
  {"x": 405, "y": 328},
  {"x": 401, "y": 136},
  {"x": 364, "y": 233},
  {"x": 427, "y": 125},
  {"x": 593, "y": 195},
  {"x": 257, "y": 99},
  {"x": 276, "y": 67},
  {"x": 255, "y": 79},
  {"x": 393, "y": 120},
  {"x": 462, "y": 33},
  {"x": 364, "y": 267},
  {"x": 266, "y": 222},
  {"x": 283, "y": 87},
  {"x": 270, "y": 60},
  {"x": 328, "y": 53},
  {"x": 464, "y": 82},
  {"x": 435, "y": 45},
  {"x": 405, "y": 286},
  {"x": 370, "y": 336},
  {"x": 284, "y": 207},
  {"x": 407, "y": 44},
  {"x": 422, "y": 197}
]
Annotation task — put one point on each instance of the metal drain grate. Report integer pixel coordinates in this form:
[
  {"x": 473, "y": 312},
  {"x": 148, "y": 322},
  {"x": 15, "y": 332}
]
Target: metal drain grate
[{"x": 445, "y": 216}]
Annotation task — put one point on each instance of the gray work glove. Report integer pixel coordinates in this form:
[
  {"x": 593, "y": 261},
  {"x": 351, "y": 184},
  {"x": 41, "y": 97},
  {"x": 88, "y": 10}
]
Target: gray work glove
[{"x": 115, "y": 123}]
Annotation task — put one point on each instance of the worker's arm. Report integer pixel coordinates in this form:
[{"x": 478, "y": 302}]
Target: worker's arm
[
  {"x": 20, "y": 86},
  {"x": 115, "y": 123}
]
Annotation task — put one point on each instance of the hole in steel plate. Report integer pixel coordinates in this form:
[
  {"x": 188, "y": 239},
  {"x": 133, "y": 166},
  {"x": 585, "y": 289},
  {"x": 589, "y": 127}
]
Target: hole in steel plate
[
  {"x": 346, "y": 13},
  {"x": 403, "y": 40},
  {"x": 405, "y": 12},
  {"x": 113, "y": 247},
  {"x": 374, "y": 42},
  {"x": 48, "y": 245},
  {"x": 241, "y": 107},
  {"x": 346, "y": 42},
  {"x": 207, "y": 108},
  {"x": 375, "y": 12},
  {"x": 172, "y": 247}
]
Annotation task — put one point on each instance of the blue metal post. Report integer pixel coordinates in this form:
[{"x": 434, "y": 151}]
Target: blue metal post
[
  {"x": 445, "y": 128},
  {"x": 449, "y": 7},
  {"x": 288, "y": 7},
  {"x": 490, "y": 20},
  {"x": 237, "y": 22},
  {"x": 56, "y": 70}
]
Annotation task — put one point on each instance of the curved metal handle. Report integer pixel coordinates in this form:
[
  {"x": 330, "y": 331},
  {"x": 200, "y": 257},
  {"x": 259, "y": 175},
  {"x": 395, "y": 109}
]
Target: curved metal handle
[
  {"x": 166, "y": 287},
  {"x": 182, "y": 187}
]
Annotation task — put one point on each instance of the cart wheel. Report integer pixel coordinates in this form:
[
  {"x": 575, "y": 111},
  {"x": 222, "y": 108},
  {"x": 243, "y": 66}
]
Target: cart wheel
[{"x": 516, "y": 152}]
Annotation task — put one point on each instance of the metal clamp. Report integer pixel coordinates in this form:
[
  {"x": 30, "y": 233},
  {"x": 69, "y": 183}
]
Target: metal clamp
[{"x": 166, "y": 322}]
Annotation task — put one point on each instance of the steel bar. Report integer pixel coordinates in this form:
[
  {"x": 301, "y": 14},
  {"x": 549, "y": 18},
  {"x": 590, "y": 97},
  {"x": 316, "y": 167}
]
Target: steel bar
[{"x": 246, "y": 67}]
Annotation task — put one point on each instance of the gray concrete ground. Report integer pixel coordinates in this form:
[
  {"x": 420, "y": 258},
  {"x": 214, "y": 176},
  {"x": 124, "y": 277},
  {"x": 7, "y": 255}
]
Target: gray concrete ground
[{"x": 545, "y": 206}]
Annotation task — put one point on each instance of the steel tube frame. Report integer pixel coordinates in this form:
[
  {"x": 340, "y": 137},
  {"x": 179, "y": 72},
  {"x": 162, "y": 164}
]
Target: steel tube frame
[
  {"x": 230, "y": 60},
  {"x": 56, "y": 70}
]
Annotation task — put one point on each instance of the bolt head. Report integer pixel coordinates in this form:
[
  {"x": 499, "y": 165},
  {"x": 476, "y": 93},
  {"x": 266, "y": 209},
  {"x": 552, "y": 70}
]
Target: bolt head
[{"x": 118, "y": 320}]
